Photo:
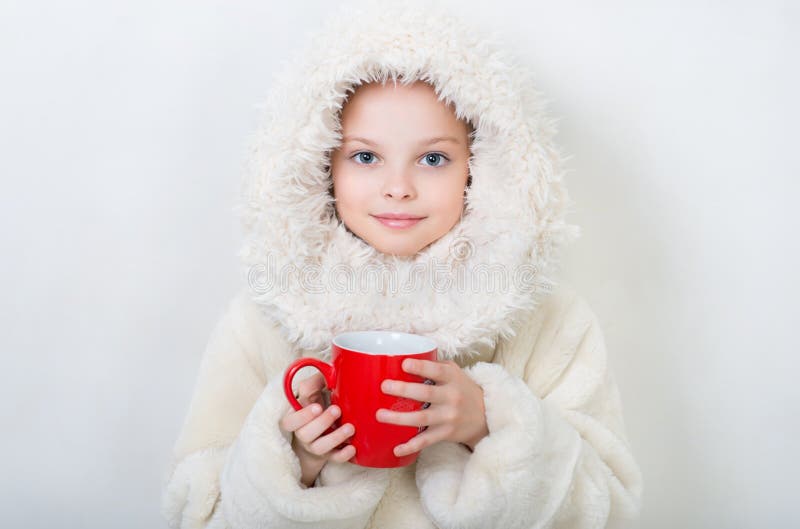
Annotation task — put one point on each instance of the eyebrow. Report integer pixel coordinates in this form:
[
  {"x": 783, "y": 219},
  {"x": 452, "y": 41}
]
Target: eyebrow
[{"x": 430, "y": 141}]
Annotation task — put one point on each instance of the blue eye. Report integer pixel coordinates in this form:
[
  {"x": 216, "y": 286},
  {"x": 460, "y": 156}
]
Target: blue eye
[
  {"x": 364, "y": 157},
  {"x": 435, "y": 156}
]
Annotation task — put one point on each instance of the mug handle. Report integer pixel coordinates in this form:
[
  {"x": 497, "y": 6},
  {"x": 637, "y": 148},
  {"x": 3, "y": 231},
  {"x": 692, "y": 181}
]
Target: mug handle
[{"x": 324, "y": 368}]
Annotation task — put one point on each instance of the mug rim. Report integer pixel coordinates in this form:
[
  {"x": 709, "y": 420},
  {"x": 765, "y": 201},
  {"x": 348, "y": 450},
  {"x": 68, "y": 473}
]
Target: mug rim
[{"x": 423, "y": 343}]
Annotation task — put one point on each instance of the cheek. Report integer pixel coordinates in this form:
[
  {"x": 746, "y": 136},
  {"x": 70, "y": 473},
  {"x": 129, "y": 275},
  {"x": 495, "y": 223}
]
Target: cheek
[
  {"x": 350, "y": 191},
  {"x": 449, "y": 195}
]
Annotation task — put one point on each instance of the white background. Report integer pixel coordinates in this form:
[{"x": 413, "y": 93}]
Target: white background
[{"x": 122, "y": 136}]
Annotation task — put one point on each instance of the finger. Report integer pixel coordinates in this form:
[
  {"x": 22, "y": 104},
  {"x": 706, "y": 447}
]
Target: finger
[
  {"x": 318, "y": 397},
  {"x": 413, "y": 390},
  {"x": 326, "y": 443},
  {"x": 345, "y": 454},
  {"x": 296, "y": 419},
  {"x": 312, "y": 384},
  {"x": 436, "y": 371},
  {"x": 420, "y": 441},
  {"x": 406, "y": 418},
  {"x": 315, "y": 428},
  {"x": 310, "y": 389}
]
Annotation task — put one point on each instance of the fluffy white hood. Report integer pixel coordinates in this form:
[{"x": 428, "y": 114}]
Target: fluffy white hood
[{"x": 316, "y": 278}]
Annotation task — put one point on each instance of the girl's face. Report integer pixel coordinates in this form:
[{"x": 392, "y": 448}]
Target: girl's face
[{"x": 403, "y": 152}]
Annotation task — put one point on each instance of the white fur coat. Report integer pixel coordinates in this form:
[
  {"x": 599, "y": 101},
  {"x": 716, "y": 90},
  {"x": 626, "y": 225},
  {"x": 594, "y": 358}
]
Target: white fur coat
[{"x": 556, "y": 455}]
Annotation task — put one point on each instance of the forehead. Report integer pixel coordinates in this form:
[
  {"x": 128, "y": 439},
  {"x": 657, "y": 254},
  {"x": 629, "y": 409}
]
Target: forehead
[{"x": 396, "y": 108}]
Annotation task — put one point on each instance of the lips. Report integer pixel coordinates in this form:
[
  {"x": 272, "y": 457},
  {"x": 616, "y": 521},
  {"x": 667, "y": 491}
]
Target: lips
[
  {"x": 398, "y": 216},
  {"x": 398, "y": 220}
]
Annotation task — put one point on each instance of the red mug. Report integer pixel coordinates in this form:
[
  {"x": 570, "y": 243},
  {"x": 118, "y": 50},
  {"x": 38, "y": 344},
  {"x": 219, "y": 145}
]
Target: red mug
[{"x": 361, "y": 361}]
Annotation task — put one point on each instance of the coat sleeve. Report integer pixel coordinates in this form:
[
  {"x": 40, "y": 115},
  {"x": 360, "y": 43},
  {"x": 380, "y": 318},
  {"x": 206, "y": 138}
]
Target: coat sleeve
[
  {"x": 556, "y": 455},
  {"x": 233, "y": 467}
]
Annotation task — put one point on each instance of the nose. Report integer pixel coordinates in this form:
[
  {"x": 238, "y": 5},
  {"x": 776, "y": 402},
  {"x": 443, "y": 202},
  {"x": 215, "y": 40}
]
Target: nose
[{"x": 399, "y": 185}]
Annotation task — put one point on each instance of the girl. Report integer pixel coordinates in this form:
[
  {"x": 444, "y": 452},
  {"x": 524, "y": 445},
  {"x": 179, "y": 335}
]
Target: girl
[{"x": 405, "y": 179}]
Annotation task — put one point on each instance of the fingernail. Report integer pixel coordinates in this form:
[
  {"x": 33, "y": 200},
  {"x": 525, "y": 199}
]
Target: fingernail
[
  {"x": 316, "y": 409},
  {"x": 335, "y": 411},
  {"x": 348, "y": 429},
  {"x": 388, "y": 385}
]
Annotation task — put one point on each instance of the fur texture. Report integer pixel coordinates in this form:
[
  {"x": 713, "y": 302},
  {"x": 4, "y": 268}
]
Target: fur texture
[
  {"x": 556, "y": 455},
  {"x": 514, "y": 219}
]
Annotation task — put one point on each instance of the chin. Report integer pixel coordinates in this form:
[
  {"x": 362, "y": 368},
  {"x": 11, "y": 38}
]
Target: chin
[{"x": 398, "y": 250}]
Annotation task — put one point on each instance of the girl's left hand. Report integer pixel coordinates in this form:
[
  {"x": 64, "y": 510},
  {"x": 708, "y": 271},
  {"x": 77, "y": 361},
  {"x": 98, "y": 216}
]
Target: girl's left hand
[{"x": 456, "y": 412}]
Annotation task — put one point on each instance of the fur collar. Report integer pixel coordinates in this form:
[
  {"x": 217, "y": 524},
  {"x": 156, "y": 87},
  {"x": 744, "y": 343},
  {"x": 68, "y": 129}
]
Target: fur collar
[{"x": 315, "y": 278}]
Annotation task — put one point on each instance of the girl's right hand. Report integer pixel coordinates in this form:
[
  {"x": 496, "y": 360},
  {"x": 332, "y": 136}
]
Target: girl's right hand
[{"x": 308, "y": 425}]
